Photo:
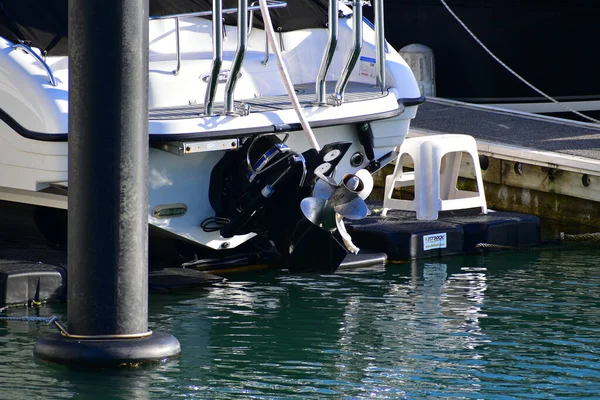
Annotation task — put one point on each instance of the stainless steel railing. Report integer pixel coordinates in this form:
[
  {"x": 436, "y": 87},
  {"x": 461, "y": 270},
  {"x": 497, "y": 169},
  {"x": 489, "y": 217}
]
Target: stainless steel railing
[
  {"x": 177, "y": 17},
  {"x": 217, "y": 61},
  {"x": 337, "y": 98},
  {"x": 244, "y": 30},
  {"x": 177, "y": 47},
  {"x": 226, "y": 11},
  {"x": 31, "y": 52},
  {"x": 240, "y": 53},
  {"x": 380, "y": 43},
  {"x": 265, "y": 61},
  {"x": 333, "y": 24},
  {"x": 244, "y": 22}
]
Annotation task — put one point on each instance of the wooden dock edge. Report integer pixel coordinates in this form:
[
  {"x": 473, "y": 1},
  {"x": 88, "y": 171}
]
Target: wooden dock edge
[{"x": 547, "y": 184}]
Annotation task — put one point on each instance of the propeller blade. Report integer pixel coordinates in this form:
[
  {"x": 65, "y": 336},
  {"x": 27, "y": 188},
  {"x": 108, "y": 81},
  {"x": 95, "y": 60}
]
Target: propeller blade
[
  {"x": 323, "y": 190},
  {"x": 367, "y": 180},
  {"x": 355, "y": 209},
  {"x": 318, "y": 212},
  {"x": 326, "y": 178}
]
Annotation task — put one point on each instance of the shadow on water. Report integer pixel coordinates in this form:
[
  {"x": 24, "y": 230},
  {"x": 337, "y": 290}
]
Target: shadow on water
[{"x": 504, "y": 324}]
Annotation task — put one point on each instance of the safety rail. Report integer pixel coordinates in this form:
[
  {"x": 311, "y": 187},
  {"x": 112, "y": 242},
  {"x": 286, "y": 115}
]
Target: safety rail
[
  {"x": 30, "y": 51},
  {"x": 240, "y": 54},
  {"x": 177, "y": 47},
  {"x": 380, "y": 43},
  {"x": 244, "y": 31},
  {"x": 337, "y": 98},
  {"x": 334, "y": 24},
  {"x": 265, "y": 61},
  {"x": 177, "y": 17},
  {"x": 217, "y": 61}
]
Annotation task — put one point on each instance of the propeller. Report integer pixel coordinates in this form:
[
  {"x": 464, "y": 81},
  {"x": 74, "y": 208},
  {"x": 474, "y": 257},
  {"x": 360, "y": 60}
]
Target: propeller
[{"x": 345, "y": 199}]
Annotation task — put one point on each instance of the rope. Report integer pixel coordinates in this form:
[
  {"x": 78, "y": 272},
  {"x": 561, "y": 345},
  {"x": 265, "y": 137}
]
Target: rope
[
  {"x": 584, "y": 237},
  {"x": 491, "y": 246},
  {"x": 513, "y": 72},
  {"x": 63, "y": 330},
  {"x": 287, "y": 82},
  {"x": 563, "y": 241},
  {"x": 48, "y": 320}
]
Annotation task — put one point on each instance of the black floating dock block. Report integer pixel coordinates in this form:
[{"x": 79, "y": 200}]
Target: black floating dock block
[
  {"x": 499, "y": 228},
  {"x": 404, "y": 238},
  {"x": 22, "y": 281}
]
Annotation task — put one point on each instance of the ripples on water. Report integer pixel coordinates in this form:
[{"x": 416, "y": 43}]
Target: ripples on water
[{"x": 499, "y": 326}]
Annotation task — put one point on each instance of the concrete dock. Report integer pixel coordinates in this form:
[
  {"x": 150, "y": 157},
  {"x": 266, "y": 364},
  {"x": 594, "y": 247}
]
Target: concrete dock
[{"x": 533, "y": 164}]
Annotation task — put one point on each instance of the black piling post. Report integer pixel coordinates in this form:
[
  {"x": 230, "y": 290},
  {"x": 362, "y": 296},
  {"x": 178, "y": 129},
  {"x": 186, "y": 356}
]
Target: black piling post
[{"x": 107, "y": 296}]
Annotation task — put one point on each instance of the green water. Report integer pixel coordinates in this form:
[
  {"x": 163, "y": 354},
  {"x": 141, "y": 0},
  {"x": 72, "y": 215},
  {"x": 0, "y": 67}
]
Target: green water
[{"x": 520, "y": 325}]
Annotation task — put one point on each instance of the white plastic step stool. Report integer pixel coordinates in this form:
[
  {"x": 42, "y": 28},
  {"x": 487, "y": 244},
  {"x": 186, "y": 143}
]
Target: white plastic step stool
[{"x": 434, "y": 176}]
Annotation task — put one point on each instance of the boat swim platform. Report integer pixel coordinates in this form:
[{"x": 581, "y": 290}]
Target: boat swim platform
[{"x": 532, "y": 164}]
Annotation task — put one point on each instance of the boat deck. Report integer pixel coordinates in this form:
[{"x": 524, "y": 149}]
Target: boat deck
[{"x": 306, "y": 96}]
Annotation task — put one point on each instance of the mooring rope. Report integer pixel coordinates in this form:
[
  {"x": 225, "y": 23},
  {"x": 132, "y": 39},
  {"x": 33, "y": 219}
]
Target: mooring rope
[
  {"x": 48, "y": 320},
  {"x": 492, "y": 246},
  {"x": 583, "y": 237},
  {"x": 63, "y": 330},
  {"x": 514, "y": 72},
  {"x": 563, "y": 241}
]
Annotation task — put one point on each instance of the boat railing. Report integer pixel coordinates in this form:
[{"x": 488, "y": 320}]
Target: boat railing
[
  {"x": 380, "y": 43},
  {"x": 31, "y": 52},
  {"x": 217, "y": 14},
  {"x": 217, "y": 61},
  {"x": 245, "y": 28},
  {"x": 265, "y": 61},
  {"x": 333, "y": 26},
  {"x": 240, "y": 54},
  {"x": 337, "y": 98}
]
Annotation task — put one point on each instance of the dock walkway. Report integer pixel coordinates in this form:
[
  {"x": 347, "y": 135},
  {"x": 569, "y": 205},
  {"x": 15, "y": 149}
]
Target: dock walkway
[{"x": 534, "y": 164}]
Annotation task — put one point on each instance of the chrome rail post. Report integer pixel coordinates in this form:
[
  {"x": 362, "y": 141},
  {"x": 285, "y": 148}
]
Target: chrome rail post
[
  {"x": 251, "y": 18},
  {"x": 265, "y": 60},
  {"x": 338, "y": 97},
  {"x": 380, "y": 43},
  {"x": 334, "y": 25},
  {"x": 213, "y": 80},
  {"x": 240, "y": 54},
  {"x": 177, "y": 47},
  {"x": 31, "y": 52},
  {"x": 226, "y": 11}
]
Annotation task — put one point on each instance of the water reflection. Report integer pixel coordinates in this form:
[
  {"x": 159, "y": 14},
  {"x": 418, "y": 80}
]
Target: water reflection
[{"x": 517, "y": 325}]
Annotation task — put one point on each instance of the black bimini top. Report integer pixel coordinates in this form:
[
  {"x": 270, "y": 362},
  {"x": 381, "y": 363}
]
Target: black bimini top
[{"x": 44, "y": 23}]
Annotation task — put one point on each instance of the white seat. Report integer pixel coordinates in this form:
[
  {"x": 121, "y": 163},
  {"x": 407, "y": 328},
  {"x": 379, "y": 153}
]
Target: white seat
[{"x": 437, "y": 160}]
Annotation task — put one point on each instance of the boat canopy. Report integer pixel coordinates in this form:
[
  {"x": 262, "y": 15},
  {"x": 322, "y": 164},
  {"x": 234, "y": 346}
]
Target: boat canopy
[{"x": 44, "y": 23}]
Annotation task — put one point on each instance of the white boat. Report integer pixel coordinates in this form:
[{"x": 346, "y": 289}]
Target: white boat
[{"x": 228, "y": 156}]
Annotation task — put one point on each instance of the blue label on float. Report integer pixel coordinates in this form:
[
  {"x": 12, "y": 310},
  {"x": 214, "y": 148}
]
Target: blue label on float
[{"x": 368, "y": 59}]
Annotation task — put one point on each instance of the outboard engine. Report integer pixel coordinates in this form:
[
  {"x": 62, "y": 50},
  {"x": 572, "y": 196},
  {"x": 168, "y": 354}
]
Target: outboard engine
[
  {"x": 261, "y": 187},
  {"x": 246, "y": 185}
]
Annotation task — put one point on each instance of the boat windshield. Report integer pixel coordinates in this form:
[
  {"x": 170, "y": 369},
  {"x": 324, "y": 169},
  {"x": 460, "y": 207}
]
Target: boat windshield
[{"x": 43, "y": 23}]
